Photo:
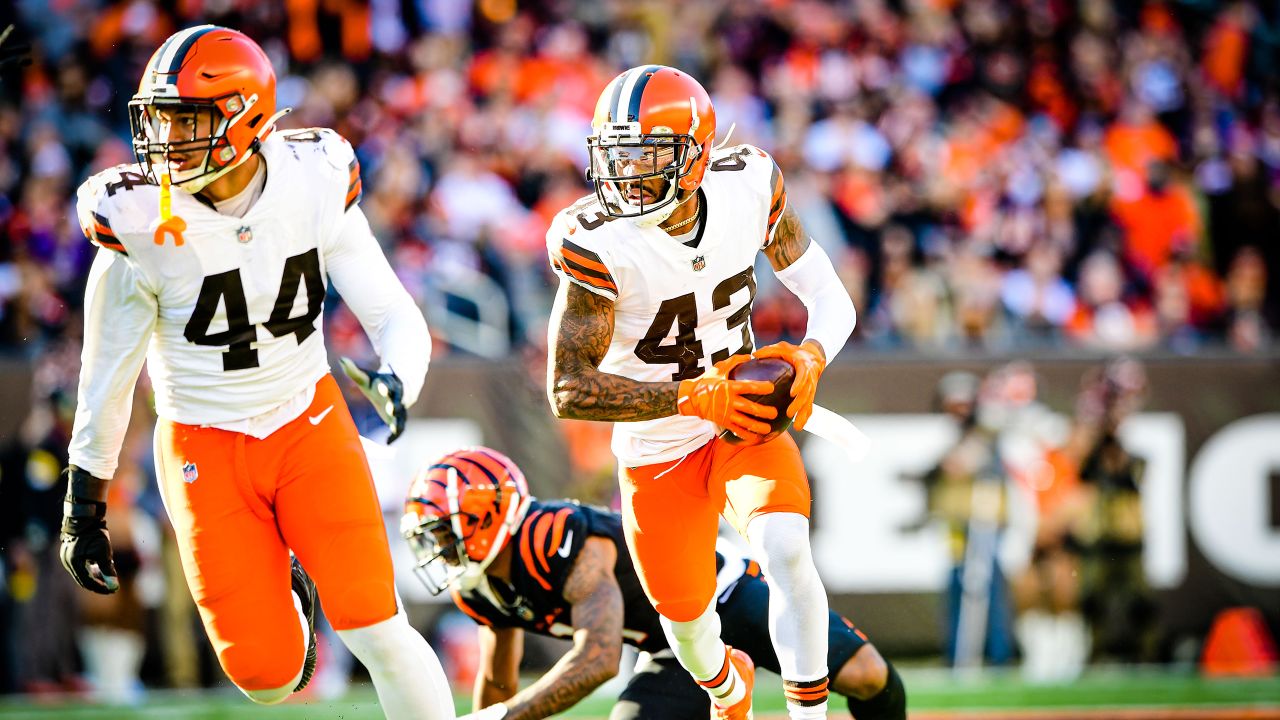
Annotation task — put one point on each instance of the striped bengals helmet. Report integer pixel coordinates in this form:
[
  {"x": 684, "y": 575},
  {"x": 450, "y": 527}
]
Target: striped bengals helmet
[
  {"x": 651, "y": 121},
  {"x": 459, "y": 514},
  {"x": 205, "y": 102}
]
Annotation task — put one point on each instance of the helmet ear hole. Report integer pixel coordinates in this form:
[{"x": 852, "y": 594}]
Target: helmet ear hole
[{"x": 253, "y": 124}]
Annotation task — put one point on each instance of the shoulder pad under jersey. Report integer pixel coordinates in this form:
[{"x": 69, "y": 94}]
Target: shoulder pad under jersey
[
  {"x": 333, "y": 156},
  {"x": 762, "y": 176},
  {"x": 115, "y": 205},
  {"x": 577, "y": 247}
]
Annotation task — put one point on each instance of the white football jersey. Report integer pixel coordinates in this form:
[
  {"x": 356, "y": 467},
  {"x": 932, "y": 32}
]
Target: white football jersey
[
  {"x": 677, "y": 309},
  {"x": 233, "y": 308}
]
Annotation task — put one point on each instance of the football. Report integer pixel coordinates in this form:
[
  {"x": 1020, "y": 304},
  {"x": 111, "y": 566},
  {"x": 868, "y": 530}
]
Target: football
[{"x": 781, "y": 374}]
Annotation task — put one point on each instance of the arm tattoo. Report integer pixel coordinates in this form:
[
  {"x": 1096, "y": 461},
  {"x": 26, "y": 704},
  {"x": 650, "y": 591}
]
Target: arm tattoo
[
  {"x": 583, "y": 323},
  {"x": 597, "y": 638},
  {"x": 789, "y": 240}
]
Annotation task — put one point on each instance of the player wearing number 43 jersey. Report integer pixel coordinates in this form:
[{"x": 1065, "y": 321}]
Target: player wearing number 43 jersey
[
  {"x": 653, "y": 311},
  {"x": 215, "y": 249},
  {"x": 517, "y": 565}
]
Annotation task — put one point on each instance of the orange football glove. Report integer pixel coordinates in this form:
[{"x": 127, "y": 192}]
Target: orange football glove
[
  {"x": 715, "y": 397},
  {"x": 809, "y": 362}
]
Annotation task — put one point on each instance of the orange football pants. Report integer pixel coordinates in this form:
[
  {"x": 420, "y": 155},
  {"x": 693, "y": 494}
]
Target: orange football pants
[
  {"x": 239, "y": 504},
  {"x": 670, "y": 510}
]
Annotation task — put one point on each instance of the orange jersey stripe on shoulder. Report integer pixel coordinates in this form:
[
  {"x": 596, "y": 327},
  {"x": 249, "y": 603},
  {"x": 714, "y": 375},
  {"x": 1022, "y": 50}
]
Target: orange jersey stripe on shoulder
[
  {"x": 545, "y": 521},
  {"x": 557, "y": 532},
  {"x": 583, "y": 261},
  {"x": 462, "y": 605},
  {"x": 526, "y": 557},
  {"x": 593, "y": 282}
]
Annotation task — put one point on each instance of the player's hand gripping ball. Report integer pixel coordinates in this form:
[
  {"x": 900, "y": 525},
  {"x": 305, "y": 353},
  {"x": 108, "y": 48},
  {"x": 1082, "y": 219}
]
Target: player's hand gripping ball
[{"x": 781, "y": 374}]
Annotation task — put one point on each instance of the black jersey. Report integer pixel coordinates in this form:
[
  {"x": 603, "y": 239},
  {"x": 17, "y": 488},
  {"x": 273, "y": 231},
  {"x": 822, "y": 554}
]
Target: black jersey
[{"x": 545, "y": 549}]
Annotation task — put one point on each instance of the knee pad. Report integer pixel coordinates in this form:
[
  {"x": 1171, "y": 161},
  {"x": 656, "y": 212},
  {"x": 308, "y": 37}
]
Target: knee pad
[
  {"x": 359, "y": 605},
  {"x": 684, "y": 610},
  {"x": 265, "y": 673}
]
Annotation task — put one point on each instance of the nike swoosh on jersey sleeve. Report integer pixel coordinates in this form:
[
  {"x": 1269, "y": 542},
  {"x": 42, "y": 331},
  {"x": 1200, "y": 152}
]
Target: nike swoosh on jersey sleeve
[{"x": 542, "y": 537}]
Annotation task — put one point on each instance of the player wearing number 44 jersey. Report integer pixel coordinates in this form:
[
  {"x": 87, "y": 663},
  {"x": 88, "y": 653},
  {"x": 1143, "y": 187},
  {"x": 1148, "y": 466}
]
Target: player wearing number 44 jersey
[
  {"x": 653, "y": 311},
  {"x": 215, "y": 249}
]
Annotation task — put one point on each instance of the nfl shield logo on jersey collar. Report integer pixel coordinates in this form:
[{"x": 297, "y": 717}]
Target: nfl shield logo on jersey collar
[
  {"x": 244, "y": 234},
  {"x": 190, "y": 472},
  {"x": 699, "y": 262}
]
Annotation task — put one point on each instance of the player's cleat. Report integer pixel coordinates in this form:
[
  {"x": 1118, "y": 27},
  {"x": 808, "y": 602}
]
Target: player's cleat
[
  {"x": 747, "y": 671},
  {"x": 306, "y": 590}
]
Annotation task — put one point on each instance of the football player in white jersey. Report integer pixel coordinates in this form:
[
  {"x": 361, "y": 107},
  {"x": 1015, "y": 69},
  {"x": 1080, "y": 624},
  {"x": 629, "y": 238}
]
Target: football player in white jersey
[
  {"x": 653, "y": 311},
  {"x": 214, "y": 249}
]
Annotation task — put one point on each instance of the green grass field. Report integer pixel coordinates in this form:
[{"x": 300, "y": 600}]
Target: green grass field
[{"x": 933, "y": 694}]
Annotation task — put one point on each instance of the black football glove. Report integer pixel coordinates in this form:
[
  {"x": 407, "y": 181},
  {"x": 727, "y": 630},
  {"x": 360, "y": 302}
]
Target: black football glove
[
  {"x": 12, "y": 53},
  {"x": 86, "y": 546},
  {"x": 385, "y": 391}
]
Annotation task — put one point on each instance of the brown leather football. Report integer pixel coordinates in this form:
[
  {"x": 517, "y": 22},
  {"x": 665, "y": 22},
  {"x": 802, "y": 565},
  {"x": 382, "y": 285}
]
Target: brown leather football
[{"x": 781, "y": 374}]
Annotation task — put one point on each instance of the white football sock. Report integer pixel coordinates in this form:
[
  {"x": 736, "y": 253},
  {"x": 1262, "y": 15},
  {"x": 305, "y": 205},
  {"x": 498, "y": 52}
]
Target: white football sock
[
  {"x": 698, "y": 647},
  {"x": 410, "y": 682},
  {"x": 797, "y": 602}
]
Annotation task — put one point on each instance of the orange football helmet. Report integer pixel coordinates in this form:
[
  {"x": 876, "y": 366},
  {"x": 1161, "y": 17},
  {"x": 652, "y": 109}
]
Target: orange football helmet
[
  {"x": 652, "y": 121},
  {"x": 459, "y": 514},
  {"x": 206, "y": 100}
]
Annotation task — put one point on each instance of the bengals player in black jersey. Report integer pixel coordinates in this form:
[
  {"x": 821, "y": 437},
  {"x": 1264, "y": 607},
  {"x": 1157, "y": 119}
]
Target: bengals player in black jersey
[{"x": 515, "y": 564}]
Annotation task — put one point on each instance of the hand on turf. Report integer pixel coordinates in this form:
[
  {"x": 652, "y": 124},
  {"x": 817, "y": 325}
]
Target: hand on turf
[
  {"x": 86, "y": 546},
  {"x": 715, "y": 397},
  {"x": 385, "y": 391},
  {"x": 809, "y": 361}
]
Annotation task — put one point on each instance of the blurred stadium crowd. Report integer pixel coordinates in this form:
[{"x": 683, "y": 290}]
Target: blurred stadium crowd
[
  {"x": 990, "y": 174},
  {"x": 1001, "y": 175}
]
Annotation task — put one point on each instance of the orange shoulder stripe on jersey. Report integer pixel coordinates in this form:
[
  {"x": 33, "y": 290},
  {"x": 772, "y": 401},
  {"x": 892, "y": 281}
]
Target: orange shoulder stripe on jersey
[
  {"x": 776, "y": 212},
  {"x": 593, "y": 282},
  {"x": 101, "y": 234},
  {"x": 567, "y": 244},
  {"x": 557, "y": 534},
  {"x": 779, "y": 198},
  {"x": 526, "y": 552},
  {"x": 355, "y": 188},
  {"x": 776, "y": 185},
  {"x": 583, "y": 261},
  {"x": 464, "y": 607}
]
